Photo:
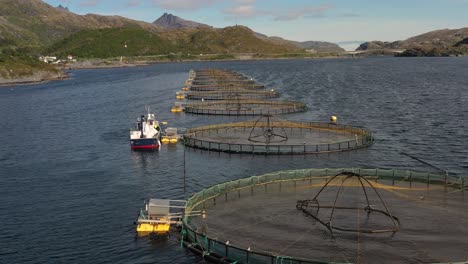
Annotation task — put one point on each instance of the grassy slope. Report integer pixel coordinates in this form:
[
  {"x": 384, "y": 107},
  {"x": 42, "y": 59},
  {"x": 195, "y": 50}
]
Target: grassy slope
[
  {"x": 105, "y": 43},
  {"x": 236, "y": 39},
  {"x": 110, "y": 42}
]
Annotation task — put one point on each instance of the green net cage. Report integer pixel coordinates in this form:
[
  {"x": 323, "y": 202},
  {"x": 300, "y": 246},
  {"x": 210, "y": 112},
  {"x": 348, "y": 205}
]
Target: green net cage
[
  {"x": 271, "y": 135},
  {"x": 256, "y": 219}
]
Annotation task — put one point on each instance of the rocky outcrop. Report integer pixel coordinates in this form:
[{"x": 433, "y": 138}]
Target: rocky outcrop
[
  {"x": 462, "y": 43},
  {"x": 169, "y": 21},
  {"x": 379, "y": 45}
]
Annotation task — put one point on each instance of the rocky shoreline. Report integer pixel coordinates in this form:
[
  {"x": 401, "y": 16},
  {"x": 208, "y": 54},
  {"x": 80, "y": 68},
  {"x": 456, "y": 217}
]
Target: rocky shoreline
[
  {"x": 60, "y": 74},
  {"x": 37, "y": 77}
]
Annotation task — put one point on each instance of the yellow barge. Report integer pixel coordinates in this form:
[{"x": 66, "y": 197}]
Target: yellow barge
[{"x": 159, "y": 215}]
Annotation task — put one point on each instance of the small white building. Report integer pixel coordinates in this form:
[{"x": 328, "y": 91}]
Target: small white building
[{"x": 47, "y": 59}]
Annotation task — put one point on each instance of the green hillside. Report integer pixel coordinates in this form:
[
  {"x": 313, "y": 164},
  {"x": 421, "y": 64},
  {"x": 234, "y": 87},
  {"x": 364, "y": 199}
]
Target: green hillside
[
  {"x": 235, "y": 39},
  {"x": 110, "y": 42}
]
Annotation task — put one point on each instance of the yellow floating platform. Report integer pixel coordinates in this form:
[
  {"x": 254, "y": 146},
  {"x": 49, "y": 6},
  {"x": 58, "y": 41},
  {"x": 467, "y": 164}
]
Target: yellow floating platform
[
  {"x": 176, "y": 109},
  {"x": 166, "y": 139},
  {"x": 153, "y": 228}
]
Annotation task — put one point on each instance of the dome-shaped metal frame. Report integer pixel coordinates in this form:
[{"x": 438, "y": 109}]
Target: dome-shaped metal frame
[
  {"x": 312, "y": 207},
  {"x": 268, "y": 134}
]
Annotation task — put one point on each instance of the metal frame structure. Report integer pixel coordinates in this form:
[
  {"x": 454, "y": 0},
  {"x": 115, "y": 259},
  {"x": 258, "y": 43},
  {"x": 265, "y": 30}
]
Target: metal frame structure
[
  {"x": 268, "y": 134},
  {"x": 305, "y": 205}
]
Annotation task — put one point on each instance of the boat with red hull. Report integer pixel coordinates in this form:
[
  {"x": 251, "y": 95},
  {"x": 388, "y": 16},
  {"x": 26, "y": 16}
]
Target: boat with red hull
[{"x": 146, "y": 134}]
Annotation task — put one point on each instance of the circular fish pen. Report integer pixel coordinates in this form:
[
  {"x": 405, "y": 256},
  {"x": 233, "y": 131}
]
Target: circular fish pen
[
  {"x": 245, "y": 107},
  {"x": 269, "y": 135},
  {"x": 352, "y": 216},
  {"x": 232, "y": 94}
]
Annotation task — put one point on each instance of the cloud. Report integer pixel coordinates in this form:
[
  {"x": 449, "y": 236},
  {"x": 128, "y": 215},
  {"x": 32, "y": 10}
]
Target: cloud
[
  {"x": 246, "y": 9},
  {"x": 309, "y": 12},
  {"x": 132, "y": 3},
  {"x": 245, "y": 2},
  {"x": 243, "y": 11},
  {"x": 349, "y": 15},
  {"x": 88, "y": 3},
  {"x": 184, "y": 4}
]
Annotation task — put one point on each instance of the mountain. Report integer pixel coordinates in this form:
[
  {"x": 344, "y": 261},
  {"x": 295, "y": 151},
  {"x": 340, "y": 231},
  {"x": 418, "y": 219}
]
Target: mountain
[
  {"x": 169, "y": 21},
  {"x": 35, "y": 23},
  {"x": 443, "y": 42}
]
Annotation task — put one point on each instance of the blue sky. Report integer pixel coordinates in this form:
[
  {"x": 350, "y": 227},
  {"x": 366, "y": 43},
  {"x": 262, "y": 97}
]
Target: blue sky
[{"x": 301, "y": 20}]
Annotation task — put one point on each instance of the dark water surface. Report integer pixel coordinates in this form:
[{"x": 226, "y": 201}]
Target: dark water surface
[{"x": 70, "y": 187}]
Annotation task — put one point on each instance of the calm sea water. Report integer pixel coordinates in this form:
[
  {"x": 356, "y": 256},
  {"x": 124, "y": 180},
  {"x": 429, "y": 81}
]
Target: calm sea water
[{"x": 70, "y": 187}]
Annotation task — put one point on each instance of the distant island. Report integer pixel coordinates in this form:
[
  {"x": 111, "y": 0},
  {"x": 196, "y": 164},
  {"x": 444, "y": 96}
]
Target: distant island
[
  {"x": 445, "y": 42},
  {"x": 30, "y": 29}
]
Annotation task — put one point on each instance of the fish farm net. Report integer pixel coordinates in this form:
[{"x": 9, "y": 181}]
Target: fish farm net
[
  {"x": 214, "y": 79},
  {"x": 224, "y": 86},
  {"x": 269, "y": 135},
  {"x": 245, "y": 107},
  {"x": 260, "y": 219},
  {"x": 224, "y": 81},
  {"x": 237, "y": 94}
]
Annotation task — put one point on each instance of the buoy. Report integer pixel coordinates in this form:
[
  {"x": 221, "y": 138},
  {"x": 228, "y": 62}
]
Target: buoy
[
  {"x": 173, "y": 140},
  {"x": 165, "y": 140},
  {"x": 334, "y": 119}
]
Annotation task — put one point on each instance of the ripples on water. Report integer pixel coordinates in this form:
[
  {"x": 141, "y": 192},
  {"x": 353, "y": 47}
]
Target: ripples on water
[{"x": 70, "y": 186}]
